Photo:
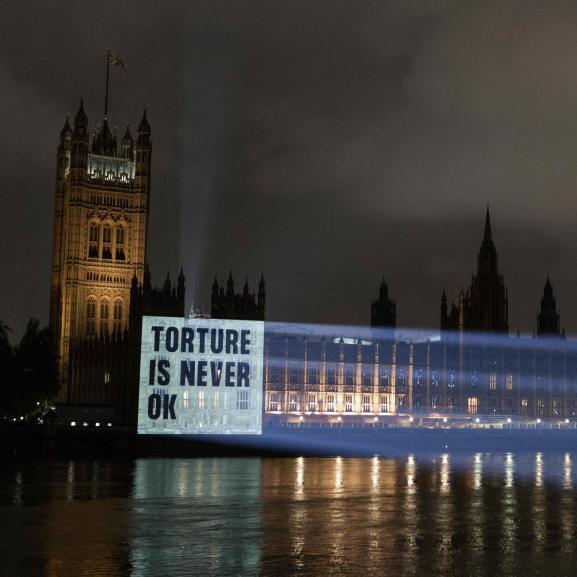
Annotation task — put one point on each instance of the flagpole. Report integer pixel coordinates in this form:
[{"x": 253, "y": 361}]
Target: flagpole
[{"x": 107, "y": 76}]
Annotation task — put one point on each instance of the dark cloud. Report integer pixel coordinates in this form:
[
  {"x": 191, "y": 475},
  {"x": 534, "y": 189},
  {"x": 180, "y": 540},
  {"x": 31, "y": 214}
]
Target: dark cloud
[{"x": 322, "y": 143}]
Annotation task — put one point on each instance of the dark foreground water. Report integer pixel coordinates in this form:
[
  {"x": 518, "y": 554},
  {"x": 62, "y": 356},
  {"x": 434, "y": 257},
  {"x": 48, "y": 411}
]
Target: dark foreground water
[{"x": 483, "y": 514}]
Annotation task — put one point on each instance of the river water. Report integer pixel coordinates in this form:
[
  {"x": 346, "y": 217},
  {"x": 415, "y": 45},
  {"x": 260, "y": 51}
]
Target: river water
[{"x": 480, "y": 514}]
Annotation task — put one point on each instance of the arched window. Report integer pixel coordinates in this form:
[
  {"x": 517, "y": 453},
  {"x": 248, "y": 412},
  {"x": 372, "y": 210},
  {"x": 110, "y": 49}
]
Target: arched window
[
  {"x": 106, "y": 241},
  {"x": 120, "y": 233},
  {"x": 117, "y": 316},
  {"x": 104, "y": 315},
  {"x": 90, "y": 316},
  {"x": 93, "y": 238}
]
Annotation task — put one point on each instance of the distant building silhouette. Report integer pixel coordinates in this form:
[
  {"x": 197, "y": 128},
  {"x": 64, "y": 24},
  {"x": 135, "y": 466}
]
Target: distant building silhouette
[
  {"x": 228, "y": 304},
  {"x": 484, "y": 306},
  {"x": 384, "y": 309},
  {"x": 548, "y": 317}
]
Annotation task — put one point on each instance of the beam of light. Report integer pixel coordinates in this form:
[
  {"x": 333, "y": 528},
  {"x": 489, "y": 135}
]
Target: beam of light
[{"x": 358, "y": 390}]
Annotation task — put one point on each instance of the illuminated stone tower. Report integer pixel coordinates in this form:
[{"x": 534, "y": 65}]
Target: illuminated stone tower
[{"x": 100, "y": 229}]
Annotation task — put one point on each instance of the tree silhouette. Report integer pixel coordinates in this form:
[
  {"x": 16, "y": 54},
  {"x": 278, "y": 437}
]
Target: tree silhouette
[
  {"x": 7, "y": 368},
  {"x": 29, "y": 376}
]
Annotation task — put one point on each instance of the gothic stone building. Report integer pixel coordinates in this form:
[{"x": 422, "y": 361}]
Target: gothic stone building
[
  {"x": 472, "y": 368},
  {"x": 232, "y": 305},
  {"x": 100, "y": 286}
]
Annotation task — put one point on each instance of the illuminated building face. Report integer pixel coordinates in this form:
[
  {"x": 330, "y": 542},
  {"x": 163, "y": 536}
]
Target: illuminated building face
[
  {"x": 100, "y": 226},
  {"x": 358, "y": 377}
]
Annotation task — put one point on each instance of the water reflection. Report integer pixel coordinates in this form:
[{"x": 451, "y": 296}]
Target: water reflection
[
  {"x": 177, "y": 516},
  {"x": 478, "y": 472},
  {"x": 566, "y": 508},
  {"x": 502, "y": 514},
  {"x": 567, "y": 472}
]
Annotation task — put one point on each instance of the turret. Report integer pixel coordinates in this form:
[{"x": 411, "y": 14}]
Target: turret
[
  {"x": 384, "y": 309},
  {"x": 146, "y": 283},
  {"x": 261, "y": 303},
  {"x": 548, "y": 317},
  {"x": 79, "y": 144},
  {"x": 383, "y": 290},
  {"x": 104, "y": 143},
  {"x": 230, "y": 286},
  {"x": 64, "y": 146},
  {"x": 80, "y": 121},
  {"x": 444, "y": 311},
  {"x": 143, "y": 153},
  {"x": 66, "y": 132},
  {"x": 487, "y": 260},
  {"x": 144, "y": 130},
  {"x": 167, "y": 286},
  {"x": 127, "y": 145},
  {"x": 180, "y": 290}
]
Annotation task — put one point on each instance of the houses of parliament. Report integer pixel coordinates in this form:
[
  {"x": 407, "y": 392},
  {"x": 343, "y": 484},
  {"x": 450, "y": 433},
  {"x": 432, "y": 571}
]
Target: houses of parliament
[
  {"x": 100, "y": 282},
  {"x": 101, "y": 287}
]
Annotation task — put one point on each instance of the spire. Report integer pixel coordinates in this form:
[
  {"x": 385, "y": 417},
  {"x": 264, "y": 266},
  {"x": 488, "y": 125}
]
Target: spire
[
  {"x": 144, "y": 127},
  {"x": 384, "y": 290},
  {"x": 487, "y": 260},
  {"x": 548, "y": 317},
  {"x": 167, "y": 284},
  {"x": 66, "y": 131},
  {"x": 81, "y": 119},
  {"x": 143, "y": 132},
  {"x": 261, "y": 299},
  {"x": 127, "y": 143},
  {"x": 146, "y": 284},
  {"x": 487, "y": 238},
  {"x": 230, "y": 286},
  {"x": 105, "y": 142},
  {"x": 127, "y": 136}
]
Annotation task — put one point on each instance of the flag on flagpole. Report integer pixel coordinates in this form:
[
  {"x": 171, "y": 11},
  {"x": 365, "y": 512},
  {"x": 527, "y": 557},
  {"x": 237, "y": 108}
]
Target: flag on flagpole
[{"x": 116, "y": 61}]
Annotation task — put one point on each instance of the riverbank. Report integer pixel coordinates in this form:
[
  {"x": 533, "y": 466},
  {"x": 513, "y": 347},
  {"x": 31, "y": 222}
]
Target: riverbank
[{"x": 279, "y": 441}]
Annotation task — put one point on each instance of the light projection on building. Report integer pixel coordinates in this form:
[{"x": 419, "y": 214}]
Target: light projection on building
[{"x": 201, "y": 376}]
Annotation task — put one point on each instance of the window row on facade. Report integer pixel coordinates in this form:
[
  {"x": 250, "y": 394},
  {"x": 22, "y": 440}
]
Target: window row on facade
[
  {"x": 104, "y": 316},
  {"x": 107, "y": 242},
  {"x": 201, "y": 400},
  {"x": 110, "y": 201},
  {"x": 342, "y": 403},
  {"x": 105, "y": 277}
]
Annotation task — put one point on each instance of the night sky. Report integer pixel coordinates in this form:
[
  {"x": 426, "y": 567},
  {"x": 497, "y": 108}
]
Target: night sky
[{"x": 324, "y": 143}]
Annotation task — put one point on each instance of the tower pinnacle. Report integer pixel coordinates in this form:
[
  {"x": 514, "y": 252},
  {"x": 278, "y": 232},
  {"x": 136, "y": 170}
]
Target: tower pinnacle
[{"x": 487, "y": 238}]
